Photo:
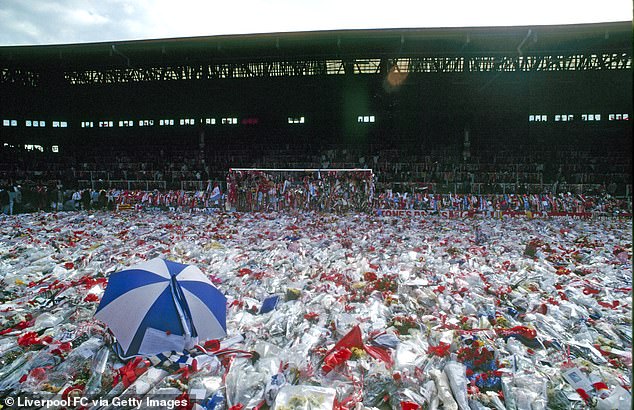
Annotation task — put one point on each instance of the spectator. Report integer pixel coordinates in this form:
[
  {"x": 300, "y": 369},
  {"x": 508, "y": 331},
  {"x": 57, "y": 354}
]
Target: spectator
[
  {"x": 85, "y": 199},
  {"x": 4, "y": 200},
  {"x": 103, "y": 200},
  {"x": 76, "y": 197},
  {"x": 15, "y": 197}
]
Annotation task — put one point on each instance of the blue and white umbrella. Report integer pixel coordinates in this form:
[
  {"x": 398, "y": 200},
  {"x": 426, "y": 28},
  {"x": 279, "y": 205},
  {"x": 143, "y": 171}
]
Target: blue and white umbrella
[{"x": 159, "y": 306}]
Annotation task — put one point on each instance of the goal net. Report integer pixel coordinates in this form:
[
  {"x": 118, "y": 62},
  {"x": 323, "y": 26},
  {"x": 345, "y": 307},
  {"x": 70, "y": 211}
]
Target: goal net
[{"x": 325, "y": 190}]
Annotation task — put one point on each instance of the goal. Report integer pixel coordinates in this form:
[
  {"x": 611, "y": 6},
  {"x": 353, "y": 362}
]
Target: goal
[{"x": 279, "y": 189}]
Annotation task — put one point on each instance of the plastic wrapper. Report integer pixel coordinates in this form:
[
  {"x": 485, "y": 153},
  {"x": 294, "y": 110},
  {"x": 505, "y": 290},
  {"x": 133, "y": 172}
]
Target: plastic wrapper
[
  {"x": 99, "y": 363},
  {"x": 456, "y": 375},
  {"x": 144, "y": 383},
  {"x": 618, "y": 398},
  {"x": 304, "y": 398},
  {"x": 215, "y": 402},
  {"x": 40, "y": 376},
  {"x": 47, "y": 320},
  {"x": 207, "y": 380},
  {"x": 429, "y": 293},
  {"x": 273, "y": 387},
  {"x": 410, "y": 354},
  {"x": 10, "y": 375},
  {"x": 244, "y": 384},
  {"x": 444, "y": 390},
  {"x": 379, "y": 382},
  {"x": 404, "y": 397}
]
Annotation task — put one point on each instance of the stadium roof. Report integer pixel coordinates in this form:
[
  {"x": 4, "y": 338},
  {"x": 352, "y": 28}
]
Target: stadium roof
[{"x": 564, "y": 39}]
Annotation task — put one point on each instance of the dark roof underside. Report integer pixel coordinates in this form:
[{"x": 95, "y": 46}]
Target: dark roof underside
[{"x": 565, "y": 39}]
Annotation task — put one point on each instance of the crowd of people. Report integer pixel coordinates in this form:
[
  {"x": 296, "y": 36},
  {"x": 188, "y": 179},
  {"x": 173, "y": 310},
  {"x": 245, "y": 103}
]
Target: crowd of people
[
  {"x": 10, "y": 196},
  {"x": 533, "y": 203},
  {"x": 487, "y": 169},
  {"x": 339, "y": 194},
  {"x": 443, "y": 177}
]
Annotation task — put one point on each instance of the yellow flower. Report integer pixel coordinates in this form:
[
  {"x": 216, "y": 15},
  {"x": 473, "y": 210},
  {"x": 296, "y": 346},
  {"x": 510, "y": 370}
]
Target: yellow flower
[{"x": 357, "y": 353}]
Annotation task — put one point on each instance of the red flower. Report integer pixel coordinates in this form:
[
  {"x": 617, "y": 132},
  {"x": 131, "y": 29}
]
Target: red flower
[
  {"x": 243, "y": 272},
  {"x": 91, "y": 298},
  {"x": 408, "y": 405},
  {"x": 31, "y": 338},
  {"x": 472, "y": 389},
  {"x": 338, "y": 357},
  {"x": 562, "y": 271},
  {"x": 612, "y": 305},
  {"x": 212, "y": 345},
  {"x": 585, "y": 396},
  {"x": 24, "y": 324},
  {"x": 441, "y": 350},
  {"x": 312, "y": 316},
  {"x": 62, "y": 349},
  {"x": 369, "y": 276},
  {"x": 39, "y": 373}
]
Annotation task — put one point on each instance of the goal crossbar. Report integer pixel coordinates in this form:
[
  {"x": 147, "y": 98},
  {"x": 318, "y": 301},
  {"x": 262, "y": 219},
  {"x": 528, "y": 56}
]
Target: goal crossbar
[{"x": 303, "y": 169}]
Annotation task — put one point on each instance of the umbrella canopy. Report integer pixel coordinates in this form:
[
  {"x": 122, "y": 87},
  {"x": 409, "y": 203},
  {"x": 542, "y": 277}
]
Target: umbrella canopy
[{"x": 160, "y": 305}]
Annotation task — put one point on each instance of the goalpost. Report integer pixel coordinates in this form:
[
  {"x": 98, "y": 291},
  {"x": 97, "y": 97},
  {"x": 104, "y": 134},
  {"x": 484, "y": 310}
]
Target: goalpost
[{"x": 318, "y": 189}]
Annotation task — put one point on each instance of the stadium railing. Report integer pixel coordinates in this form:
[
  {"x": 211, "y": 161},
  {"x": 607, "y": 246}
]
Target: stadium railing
[
  {"x": 198, "y": 185},
  {"x": 129, "y": 184}
]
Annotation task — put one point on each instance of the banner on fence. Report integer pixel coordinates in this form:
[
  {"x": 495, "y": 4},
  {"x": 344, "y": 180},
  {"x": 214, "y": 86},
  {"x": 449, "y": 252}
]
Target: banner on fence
[{"x": 410, "y": 213}]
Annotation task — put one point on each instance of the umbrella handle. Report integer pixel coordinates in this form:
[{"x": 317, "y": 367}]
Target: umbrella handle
[{"x": 179, "y": 301}]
